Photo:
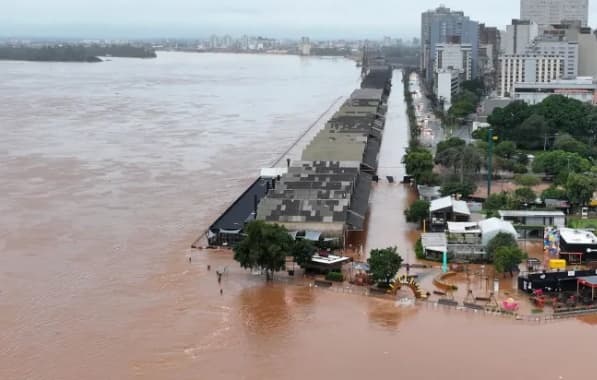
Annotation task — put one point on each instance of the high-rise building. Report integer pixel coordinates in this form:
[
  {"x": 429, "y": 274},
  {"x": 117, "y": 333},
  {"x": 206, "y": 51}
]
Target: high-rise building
[
  {"x": 519, "y": 36},
  {"x": 443, "y": 25},
  {"x": 446, "y": 85},
  {"x": 561, "y": 47},
  {"x": 489, "y": 48},
  {"x": 527, "y": 69},
  {"x": 586, "y": 39},
  {"x": 458, "y": 57},
  {"x": 548, "y": 12}
]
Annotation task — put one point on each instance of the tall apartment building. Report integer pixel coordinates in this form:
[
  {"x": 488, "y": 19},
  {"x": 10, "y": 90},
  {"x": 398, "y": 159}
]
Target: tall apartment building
[
  {"x": 443, "y": 25},
  {"x": 527, "y": 69},
  {"x": 446, "y": 85},
  {"x": 547, "y": 12},
  {"x": 489, "y": 47},
  {"x": 586, "y": 40},
  {"x": 458, "y": 57},
  {"x": 553, "y": 46},
  {"x": 519, "y": 36}
]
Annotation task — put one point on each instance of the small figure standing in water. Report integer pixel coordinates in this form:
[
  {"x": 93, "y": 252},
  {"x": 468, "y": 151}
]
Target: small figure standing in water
[
  {"x": 221, "y": 291},
  {"x": 208, "y": 267},
  {"x": 190, "y": 259}
]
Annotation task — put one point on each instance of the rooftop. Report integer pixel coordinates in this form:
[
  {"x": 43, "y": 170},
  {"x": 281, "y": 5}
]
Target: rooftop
[
  {"x": 459, "y": 207},
  {"x": 434, "y": 241},
  {"x": 522, "y": 213},
  {"x": 577, "y": 236},
  {"x": 463, "y": 227}
]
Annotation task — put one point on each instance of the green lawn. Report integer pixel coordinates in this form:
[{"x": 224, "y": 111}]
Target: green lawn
[{"x": 582, "y": 223}]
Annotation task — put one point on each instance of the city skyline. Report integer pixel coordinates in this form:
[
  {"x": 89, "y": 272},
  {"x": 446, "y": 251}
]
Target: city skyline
[{"x": 186, "y": 19}]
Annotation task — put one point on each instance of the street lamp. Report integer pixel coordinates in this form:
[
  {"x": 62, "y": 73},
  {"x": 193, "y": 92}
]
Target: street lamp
[{"x": 490, "y": 139}]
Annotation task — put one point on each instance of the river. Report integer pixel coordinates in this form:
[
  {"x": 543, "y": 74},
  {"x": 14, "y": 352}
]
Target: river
[{"x": 110, "y": 170}]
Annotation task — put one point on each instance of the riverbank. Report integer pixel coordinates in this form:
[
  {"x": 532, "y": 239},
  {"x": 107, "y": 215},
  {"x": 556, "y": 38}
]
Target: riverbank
[{"x": 72, "y": 53}]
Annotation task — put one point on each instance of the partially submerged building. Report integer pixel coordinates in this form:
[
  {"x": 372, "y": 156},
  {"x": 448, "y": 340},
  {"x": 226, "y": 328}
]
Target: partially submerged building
[
  {"x": 578, "y": 245},
  {"x": 328, "y": 190},
  {"x": 531, "y": 223},
  {"x": 466, "y": 240},
  {"x": 447, "y": 209}
]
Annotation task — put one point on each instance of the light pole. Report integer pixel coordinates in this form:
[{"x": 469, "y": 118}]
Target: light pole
[{"x": 490, "y": 139}]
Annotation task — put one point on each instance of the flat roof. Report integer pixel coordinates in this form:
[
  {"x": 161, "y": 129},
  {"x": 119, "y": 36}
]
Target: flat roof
[
  {"x": 577, "y": 236},
  {"x": 516, "y": 213},
  {"x": 464, "y": 227},
  {"x": 329, "y": 260},
  {"x": 457, "y": 206},
  {"x": 434, "y": 241}
]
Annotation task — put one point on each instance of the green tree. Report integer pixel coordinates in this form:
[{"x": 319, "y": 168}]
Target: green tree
[
  {"x": 265, "y": 246},
  {"x": 384, "y": 264},
  {"x": 506, "y": 120},
  {"x": 531, "y": 133},
  {"x": 507, "y": 258},
  {"x": 558, "y": 162},
  {"x": 564, "y": 114},
  {"x": 302, "y": 250},
  {"x": 525, "y": 195},
  {"x": 568, "y": 143},
  {"x": 554, "y": 192},
  {"x": 452, "y": 142},
  {"x": 496, "y": 201},
  {"x": 580, "y": 188},
  {"x": 417, "y": 212},
  {"x": 465, "y": 161},
  {"x": 502, "y": 239},
  {"x": 505, "y": 149},
  {"x": 455, "y": 187},
  {"x": 418, "y": 162}
]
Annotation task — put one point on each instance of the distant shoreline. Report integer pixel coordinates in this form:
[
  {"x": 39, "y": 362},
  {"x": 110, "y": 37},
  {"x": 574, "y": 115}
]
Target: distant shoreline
[
  {"x": 256, "y": 52},
  {"x": 73, "y": 53}
]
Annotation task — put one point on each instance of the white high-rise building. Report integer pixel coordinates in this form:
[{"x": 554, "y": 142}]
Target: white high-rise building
[
  {"x": 527, "y": 69},
  {"x": 548, "y": 12},
  {"x": 454, "y": 57},
  {"x": 446, "y": 85}
]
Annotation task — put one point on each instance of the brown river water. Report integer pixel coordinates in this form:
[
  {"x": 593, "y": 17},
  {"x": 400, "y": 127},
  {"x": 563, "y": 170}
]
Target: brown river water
[{"x": 108, "y": 173}]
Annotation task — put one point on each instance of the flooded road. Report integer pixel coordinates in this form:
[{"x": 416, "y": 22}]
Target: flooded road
[
  {"x": 386, "y": 226},
  {"x": 108, "y": 173}
]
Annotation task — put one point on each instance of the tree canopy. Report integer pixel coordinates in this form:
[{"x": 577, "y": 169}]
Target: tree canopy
[
  {"x": 554, "y": 192},
  {"x": 533, "y": 126},
  {"x": 302, "y": 250},
  {"x": 384, "y": 264},
  {"x": 580, "y": 188},
  {"x": 559, "y": 163},
  {"x": 265, "y": 245},
  {"x": 418, "y": 211},
  {"x": 507, "y": 258},
  {"x": 419, "y": 164},
  {"x": 502, "y": 239}
]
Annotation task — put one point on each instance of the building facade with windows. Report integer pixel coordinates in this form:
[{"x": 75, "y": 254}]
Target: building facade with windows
[
  {"x": 547, "y": 12},
  {"x": 441, "y": 26},
  {"x": 527, "y": 69},
  {"x": 519, "y": 35},
  {"x": 582, "y": 89}
]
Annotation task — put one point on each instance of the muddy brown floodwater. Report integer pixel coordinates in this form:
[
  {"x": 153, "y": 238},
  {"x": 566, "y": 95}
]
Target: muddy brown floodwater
[{"x": 108, "y": 173}]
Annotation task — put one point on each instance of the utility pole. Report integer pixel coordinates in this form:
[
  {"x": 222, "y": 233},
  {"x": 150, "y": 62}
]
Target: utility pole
[{"x": 489, "y": 160}]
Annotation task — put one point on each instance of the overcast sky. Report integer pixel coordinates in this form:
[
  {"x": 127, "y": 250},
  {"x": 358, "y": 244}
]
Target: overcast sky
[{"x": 276, "y": 18}]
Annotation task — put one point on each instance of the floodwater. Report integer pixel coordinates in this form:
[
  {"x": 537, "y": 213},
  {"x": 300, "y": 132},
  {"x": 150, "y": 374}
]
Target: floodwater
[{"x": 109, "y": 171}]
